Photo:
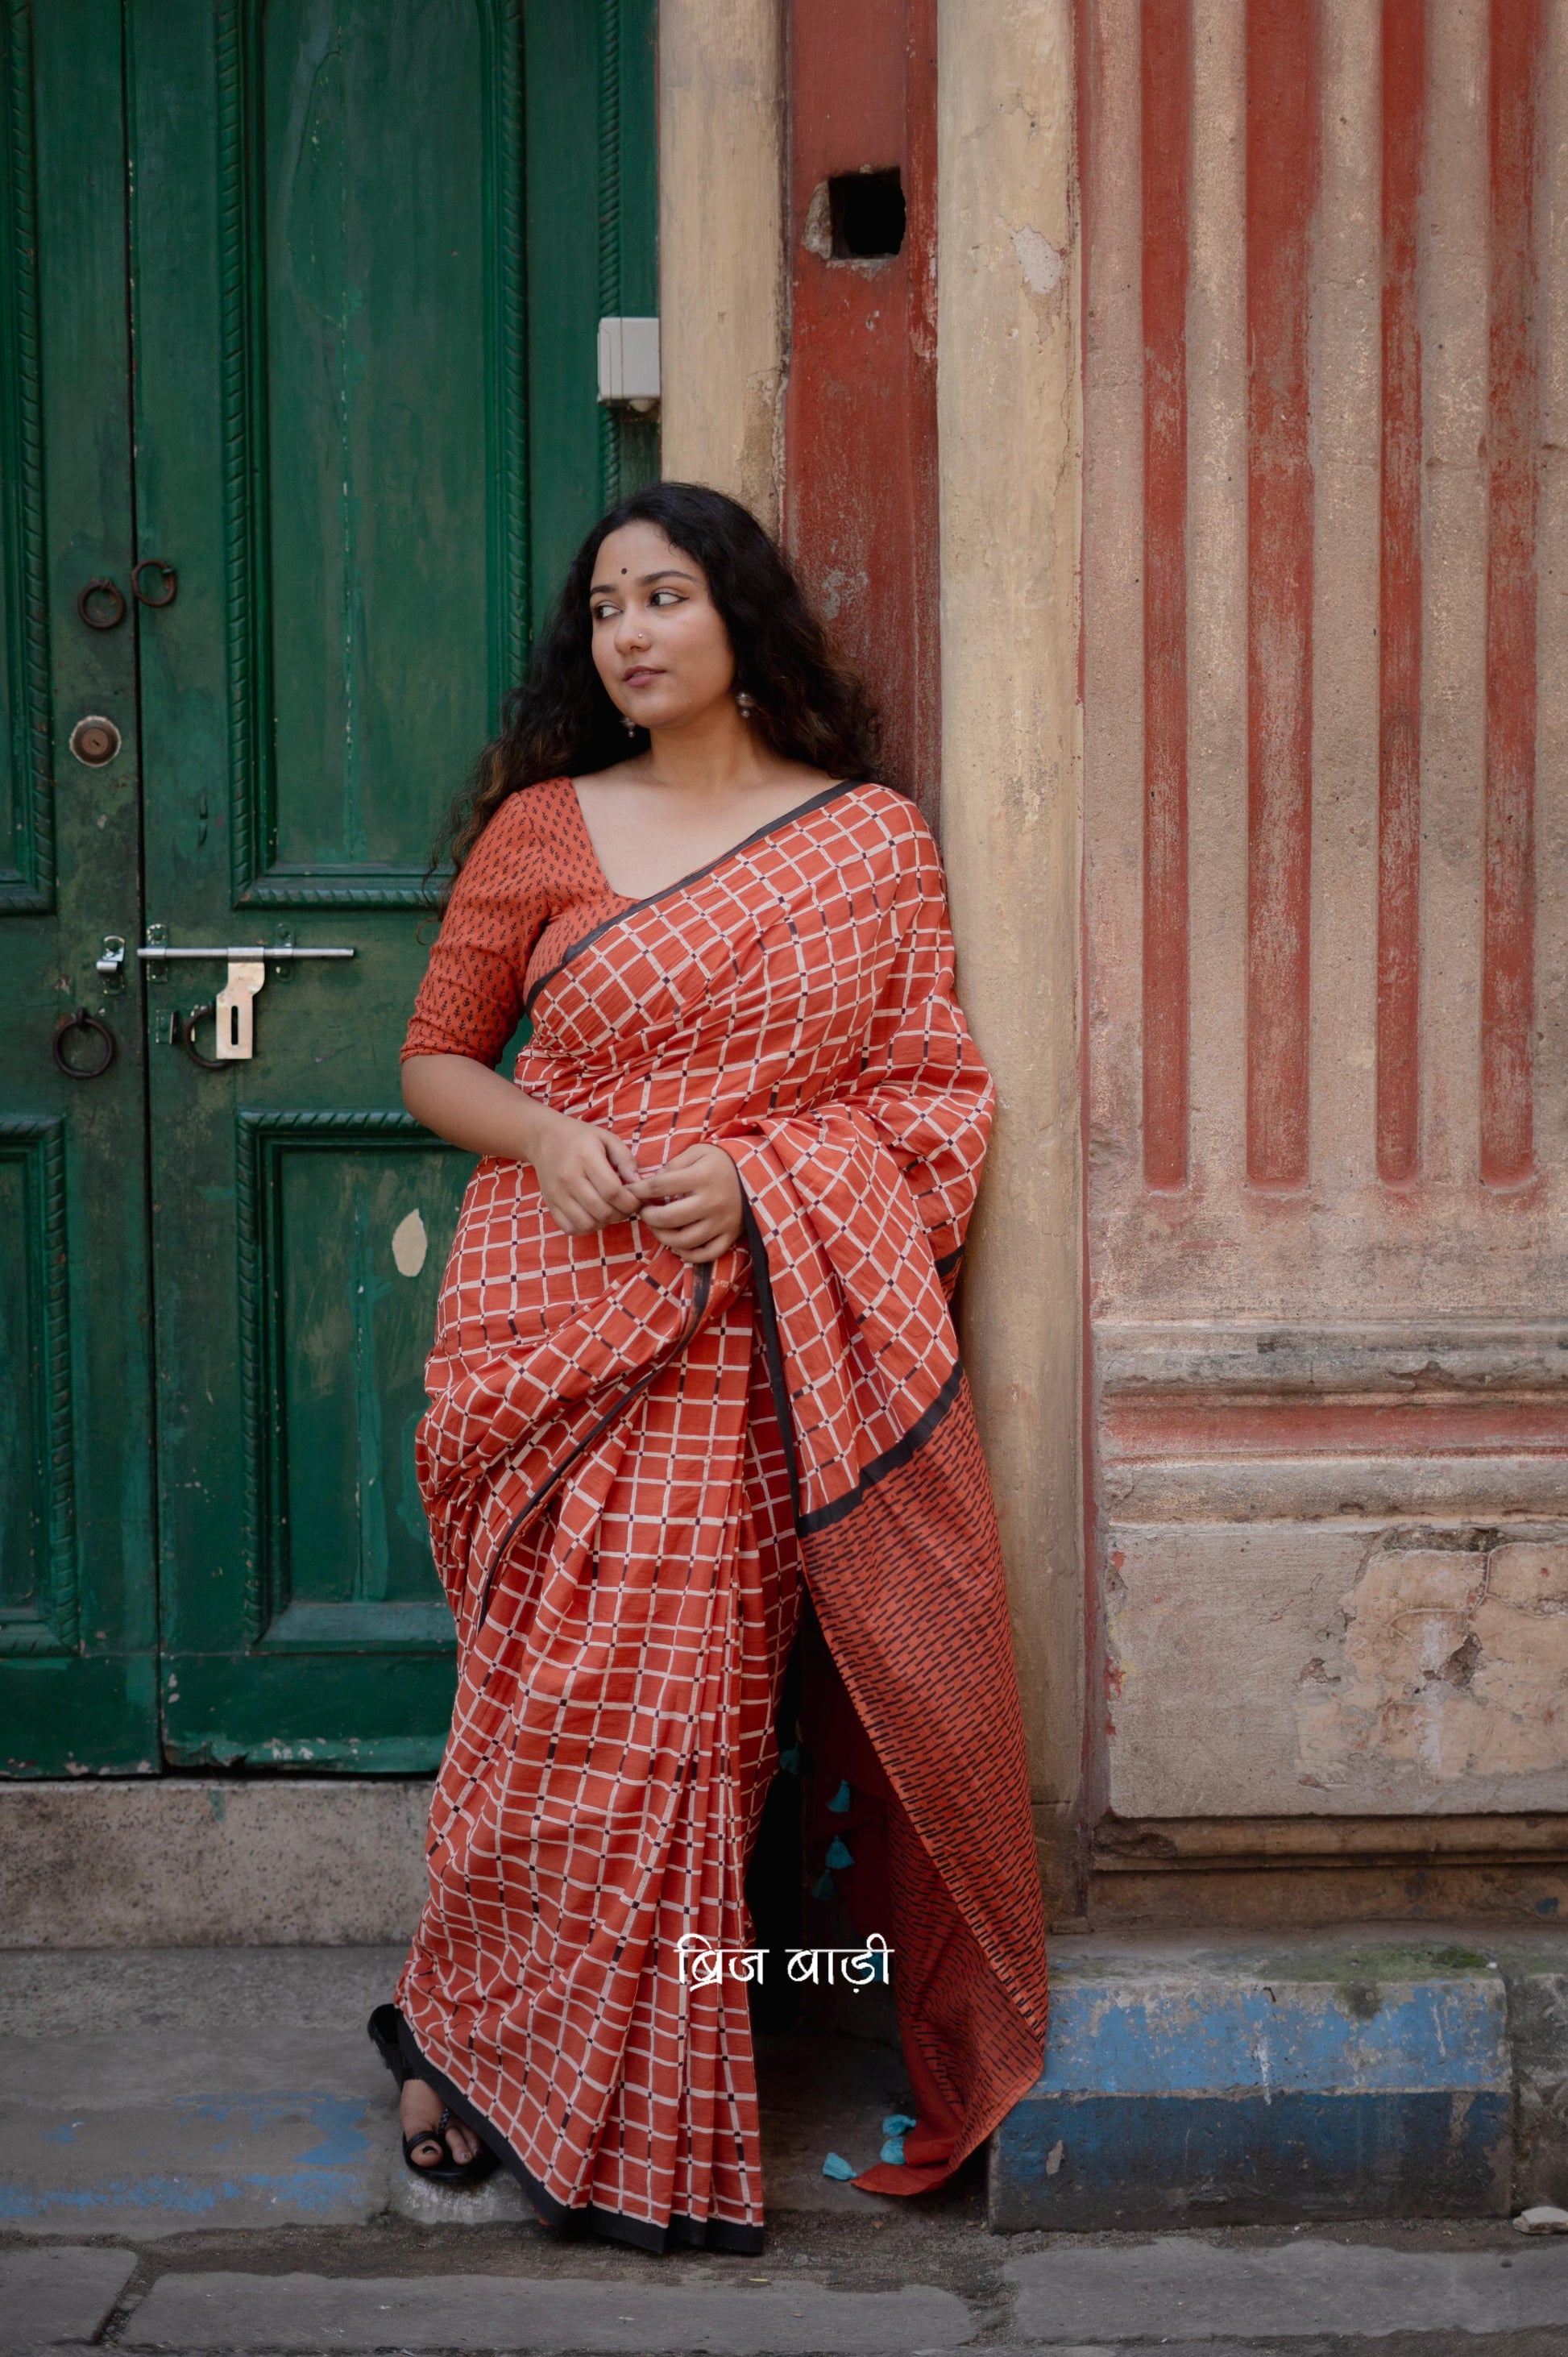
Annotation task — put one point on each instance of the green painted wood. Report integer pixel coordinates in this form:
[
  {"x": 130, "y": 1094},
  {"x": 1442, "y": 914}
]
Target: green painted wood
[
  {"x": 77, "y": 1569},
  {"x": 365, "y": 315},
  {"x": 593, "y": 213}
]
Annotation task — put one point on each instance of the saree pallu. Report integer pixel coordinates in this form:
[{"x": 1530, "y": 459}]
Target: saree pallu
[{"x": 629, "y": 1469}]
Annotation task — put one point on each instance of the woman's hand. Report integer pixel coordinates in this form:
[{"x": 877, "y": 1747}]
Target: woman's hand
[
  {"x": 694, "y": 1204},
  {"x": 584, "y": 1174},
  {"x": 583, "y": 1171}
]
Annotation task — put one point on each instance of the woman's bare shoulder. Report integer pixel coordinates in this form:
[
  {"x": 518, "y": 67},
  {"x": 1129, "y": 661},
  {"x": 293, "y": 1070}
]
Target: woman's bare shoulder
[{"x": 631, "y": 772}]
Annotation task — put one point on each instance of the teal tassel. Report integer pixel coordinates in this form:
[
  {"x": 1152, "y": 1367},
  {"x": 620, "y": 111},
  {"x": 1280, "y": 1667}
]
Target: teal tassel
[
  {"x": 896, "y": 2124},
  {"x": 836, "y": 2166},
  {"x": 893, "y": 2152},
  {"x": 824, "y": 1886},
  {"x": 839, "y": 1804},
  {"x": 839, "y": 1855},
  {"x": 790, "y": 1761}
]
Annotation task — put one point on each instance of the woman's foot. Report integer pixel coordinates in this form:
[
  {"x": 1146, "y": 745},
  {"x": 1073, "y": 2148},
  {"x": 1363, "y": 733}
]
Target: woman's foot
[{"x": 420, "y": 2108}]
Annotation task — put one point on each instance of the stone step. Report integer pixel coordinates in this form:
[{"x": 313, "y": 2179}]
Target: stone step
[{"x": 1355, "y": 2074}]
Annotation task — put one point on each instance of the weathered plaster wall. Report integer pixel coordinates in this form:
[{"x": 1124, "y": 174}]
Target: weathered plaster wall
[
  {"x": 1009, "y": 421},
  {"x": 721, "y": 255},
  {"x": 1325, "y": 687}
]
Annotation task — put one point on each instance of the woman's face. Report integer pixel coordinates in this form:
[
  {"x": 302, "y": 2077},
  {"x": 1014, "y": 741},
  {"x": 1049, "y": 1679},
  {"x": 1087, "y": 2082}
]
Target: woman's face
[{"x": 660, "y": 643}]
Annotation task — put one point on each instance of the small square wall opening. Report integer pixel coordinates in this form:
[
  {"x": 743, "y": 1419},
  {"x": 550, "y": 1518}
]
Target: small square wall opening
[{"x": 867, "y": 213}]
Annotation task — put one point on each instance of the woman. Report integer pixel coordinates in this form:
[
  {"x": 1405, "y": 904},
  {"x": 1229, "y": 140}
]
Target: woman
[{"x": 694, "y": 1353}]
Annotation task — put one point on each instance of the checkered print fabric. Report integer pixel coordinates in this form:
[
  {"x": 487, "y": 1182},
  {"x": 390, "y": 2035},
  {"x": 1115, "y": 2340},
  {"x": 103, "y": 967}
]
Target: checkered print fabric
[{"x": 629, "y": 1466}]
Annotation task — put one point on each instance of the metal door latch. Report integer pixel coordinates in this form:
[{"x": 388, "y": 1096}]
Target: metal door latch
[
  {"x": 233, "y": 1009},
  {"x": 111, "y": 967}
]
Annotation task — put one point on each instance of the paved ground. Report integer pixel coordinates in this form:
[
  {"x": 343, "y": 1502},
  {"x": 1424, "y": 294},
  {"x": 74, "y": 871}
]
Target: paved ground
[{"x": 934, "y": 2282}]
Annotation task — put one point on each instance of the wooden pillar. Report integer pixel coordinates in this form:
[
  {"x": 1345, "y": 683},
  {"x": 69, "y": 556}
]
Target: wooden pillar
[
  {"x": 721, "y": 277},
  {"x": 1009, "y": 421}
]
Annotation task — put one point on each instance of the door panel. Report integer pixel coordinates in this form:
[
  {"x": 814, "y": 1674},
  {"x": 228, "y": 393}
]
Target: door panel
[
  {"x": 336, "y": 451},
  {"x": 379, "y": 373},
  {"x": 77, "y": 1602},
  {"x": 372, "y": 325},
  {"x": 344, "y": 1223}
]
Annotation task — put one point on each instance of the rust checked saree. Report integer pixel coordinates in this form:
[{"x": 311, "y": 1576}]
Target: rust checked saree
[{"x": 634, "y": 1469}]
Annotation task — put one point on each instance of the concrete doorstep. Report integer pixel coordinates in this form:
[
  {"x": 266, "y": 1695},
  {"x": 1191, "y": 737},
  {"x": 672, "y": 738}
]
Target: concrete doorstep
[
  {"x": 151, "y": 2093},
  {"x": 1364, "y": 2073}
]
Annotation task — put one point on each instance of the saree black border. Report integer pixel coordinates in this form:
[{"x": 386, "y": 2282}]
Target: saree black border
[
  {"x": 685, "y": 883},
  {"x": 767, "y": 1319},
  {"x": 920, "y": 1432},
  {"x": 638, "y": 2234}
]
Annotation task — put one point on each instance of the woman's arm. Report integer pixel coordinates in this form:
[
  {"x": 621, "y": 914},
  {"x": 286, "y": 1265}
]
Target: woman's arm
[{"x": 583, "y": 1173}]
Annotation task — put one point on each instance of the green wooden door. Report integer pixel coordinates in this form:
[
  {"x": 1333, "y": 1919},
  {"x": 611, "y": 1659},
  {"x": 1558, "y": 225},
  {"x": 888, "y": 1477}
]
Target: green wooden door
[
  {"x": 78, "y": 1599},
  {"x": 370, "y": 241}
]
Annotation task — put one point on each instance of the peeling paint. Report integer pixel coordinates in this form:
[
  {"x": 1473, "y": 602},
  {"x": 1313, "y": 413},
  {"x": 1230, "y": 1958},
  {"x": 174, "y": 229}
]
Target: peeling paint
[
  {"x": 1042, "y": 263},
  {"x": 817, "y": 235},
  {"x": 1453, "y": 1663},
  {"x": 409, "y": 1244},
  {"x": 1338, "y": 1671}
]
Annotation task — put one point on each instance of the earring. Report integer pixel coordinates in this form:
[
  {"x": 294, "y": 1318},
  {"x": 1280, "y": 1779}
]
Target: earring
[
  {"x": 628, "y": 724},
  {"x": 744, "y": 705}
]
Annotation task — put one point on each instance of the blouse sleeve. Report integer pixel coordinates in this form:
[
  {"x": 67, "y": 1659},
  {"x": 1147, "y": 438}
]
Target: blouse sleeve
[{"x": 471, "y": 997}]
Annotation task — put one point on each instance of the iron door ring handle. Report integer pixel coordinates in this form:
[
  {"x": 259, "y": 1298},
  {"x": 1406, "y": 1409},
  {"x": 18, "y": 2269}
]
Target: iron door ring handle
[
  {"x": 208, "y": 1064},
  {"x": 101, "y": 588},
  {"x": 82, "y": 1021},
  {"x": 155, "y": 564}
]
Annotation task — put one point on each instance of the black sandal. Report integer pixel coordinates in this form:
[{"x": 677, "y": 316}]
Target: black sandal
[{"x": 383, "y": 2033}]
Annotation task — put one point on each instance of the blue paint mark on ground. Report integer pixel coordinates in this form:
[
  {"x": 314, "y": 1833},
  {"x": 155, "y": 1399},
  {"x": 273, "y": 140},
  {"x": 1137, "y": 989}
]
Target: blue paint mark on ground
[
  {"x": 336, "y": 2119},
  {"x": 323, "y": 2139},
  {"x": 316, "y": 2191}
]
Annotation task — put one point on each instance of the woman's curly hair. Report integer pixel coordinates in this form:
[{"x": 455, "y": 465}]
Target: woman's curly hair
[{"x": 808, "y": 704}]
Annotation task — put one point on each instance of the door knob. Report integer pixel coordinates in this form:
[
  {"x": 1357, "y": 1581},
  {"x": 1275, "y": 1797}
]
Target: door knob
[{"x": 94, "y": 740}]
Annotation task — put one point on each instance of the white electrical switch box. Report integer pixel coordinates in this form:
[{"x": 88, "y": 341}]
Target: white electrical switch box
[{"x": 629, "y": 362}]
